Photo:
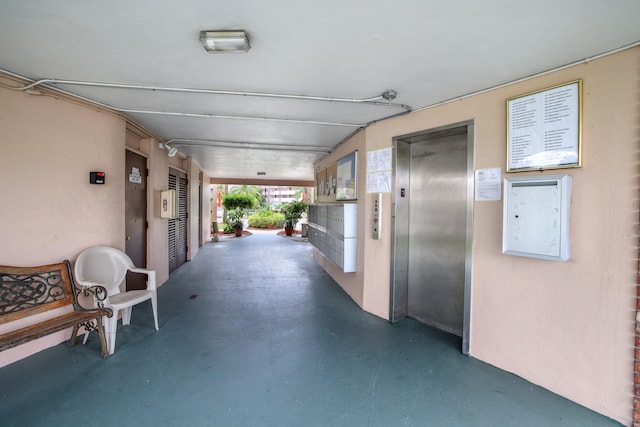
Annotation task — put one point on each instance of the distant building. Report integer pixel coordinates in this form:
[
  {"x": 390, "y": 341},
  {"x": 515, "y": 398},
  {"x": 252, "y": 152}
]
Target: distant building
[{"x": 276, "y": 196}]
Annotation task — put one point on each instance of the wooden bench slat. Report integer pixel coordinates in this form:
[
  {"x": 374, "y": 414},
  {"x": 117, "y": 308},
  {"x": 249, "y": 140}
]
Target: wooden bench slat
[
  {"x": 46, "y": 327},
  {"x": 25, "y": 291}
]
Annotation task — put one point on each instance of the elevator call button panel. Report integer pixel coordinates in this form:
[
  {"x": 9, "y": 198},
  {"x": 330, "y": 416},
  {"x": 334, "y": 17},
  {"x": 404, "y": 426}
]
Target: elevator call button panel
[{"x": 376, "y": 221}]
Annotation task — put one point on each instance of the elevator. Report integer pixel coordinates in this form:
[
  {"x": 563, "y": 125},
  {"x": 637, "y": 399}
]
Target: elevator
[{"x": 432, "y": 225}]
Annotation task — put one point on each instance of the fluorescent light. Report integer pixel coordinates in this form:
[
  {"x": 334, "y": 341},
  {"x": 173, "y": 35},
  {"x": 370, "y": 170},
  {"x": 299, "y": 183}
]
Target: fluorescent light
[{"x": 225, "y": 41}]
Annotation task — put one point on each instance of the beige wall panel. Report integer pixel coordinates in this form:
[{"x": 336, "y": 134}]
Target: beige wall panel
[
  {"x": 193, "y": 208},
  {"x": 50, "y": 211},
  {"x": 158, "y": 181},
  {"x": 206, "y": 208}
]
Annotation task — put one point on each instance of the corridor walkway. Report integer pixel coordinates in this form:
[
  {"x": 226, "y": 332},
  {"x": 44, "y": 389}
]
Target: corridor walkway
[{"x": 254, "y": 333}]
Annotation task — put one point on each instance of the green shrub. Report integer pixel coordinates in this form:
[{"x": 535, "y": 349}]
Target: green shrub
[
  {"x": 238, "y": 201},
  {"x": 266, "y": 218}
]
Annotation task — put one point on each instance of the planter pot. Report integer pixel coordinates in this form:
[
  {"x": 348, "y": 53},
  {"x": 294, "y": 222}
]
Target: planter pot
[
  {"x": 288, "y": 231},
  {"x": 237, "y": 232}
]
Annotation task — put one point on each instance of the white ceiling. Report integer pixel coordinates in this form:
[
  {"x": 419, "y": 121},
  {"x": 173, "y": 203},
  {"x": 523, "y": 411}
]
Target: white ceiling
[{"x": 428, "y": 51}]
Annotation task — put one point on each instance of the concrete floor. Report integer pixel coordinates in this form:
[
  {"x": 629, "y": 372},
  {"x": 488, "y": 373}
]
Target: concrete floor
[{"x": 254, "y": 333}]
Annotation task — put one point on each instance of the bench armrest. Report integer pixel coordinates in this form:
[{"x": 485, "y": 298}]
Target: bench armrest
[{"x": 99, "y": 294}]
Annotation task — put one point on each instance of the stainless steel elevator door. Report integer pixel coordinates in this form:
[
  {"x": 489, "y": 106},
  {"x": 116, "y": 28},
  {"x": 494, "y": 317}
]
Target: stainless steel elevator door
[{"x": 437, "y": 232}]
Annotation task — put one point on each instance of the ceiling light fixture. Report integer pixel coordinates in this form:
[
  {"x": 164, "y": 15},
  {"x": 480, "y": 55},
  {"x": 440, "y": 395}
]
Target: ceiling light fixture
[{"x": 225, "y": 41}]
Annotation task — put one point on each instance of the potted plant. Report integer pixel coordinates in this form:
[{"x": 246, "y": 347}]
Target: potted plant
[
  {"x": 234, "y": 219},
  {"x": 235, "y": 204},
  {"x": 292, "y": 213}
]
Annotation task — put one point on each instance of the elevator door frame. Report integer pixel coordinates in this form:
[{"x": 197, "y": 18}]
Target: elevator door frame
[{"x": 400, "y": 222}]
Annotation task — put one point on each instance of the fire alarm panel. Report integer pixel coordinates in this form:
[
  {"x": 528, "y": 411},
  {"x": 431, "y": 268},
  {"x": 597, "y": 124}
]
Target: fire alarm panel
[{"x": 96, "y": 177}]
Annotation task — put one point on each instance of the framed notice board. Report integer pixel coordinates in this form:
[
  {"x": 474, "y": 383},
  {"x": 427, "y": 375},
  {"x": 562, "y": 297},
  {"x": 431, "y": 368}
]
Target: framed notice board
[
  {"x": 544, "y": 128},
  {"x": 346, "y": 188}
]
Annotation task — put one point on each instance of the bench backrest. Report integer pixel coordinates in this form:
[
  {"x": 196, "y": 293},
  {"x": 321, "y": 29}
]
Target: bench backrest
[{"x": 29, "y": 290}]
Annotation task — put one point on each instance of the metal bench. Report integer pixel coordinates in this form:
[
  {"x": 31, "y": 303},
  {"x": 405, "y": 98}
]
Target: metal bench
[{"x": 25, "y": 291}]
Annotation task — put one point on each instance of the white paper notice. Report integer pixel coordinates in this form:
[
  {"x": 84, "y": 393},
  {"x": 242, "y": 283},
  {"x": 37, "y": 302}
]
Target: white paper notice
[
  {"x": 135, "y": 176},
  {"x": 379, "y": 182},
  {"x": 379, "y": 171},
  {"x": 488, "y": 184},
  {"x": 379, "y": 160}
]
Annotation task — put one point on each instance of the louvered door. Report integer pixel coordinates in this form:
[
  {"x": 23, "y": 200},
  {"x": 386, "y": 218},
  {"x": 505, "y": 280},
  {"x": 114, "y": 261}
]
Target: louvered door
[{"x": 177, "y": 228}]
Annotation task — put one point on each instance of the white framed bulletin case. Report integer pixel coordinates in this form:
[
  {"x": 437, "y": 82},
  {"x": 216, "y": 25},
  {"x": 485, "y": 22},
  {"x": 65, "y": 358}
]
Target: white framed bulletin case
[{"x": 536, "y": 217}]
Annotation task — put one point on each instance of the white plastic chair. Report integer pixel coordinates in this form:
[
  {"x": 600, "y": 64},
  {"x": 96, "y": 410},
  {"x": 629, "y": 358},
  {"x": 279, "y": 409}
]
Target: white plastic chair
[{"x": 107, "y": 266}]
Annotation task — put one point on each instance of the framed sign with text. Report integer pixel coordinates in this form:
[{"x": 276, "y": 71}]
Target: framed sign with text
[{"x": 544, "y": 128}]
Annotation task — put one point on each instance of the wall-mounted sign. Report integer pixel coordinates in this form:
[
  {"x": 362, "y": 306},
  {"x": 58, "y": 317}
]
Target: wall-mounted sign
[
  {"x": 544, "y": 128},
  {"x": 135, "y": 176}
]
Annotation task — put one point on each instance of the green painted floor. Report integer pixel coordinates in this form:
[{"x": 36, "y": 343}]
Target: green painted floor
[{"x": 254, "y": 333}]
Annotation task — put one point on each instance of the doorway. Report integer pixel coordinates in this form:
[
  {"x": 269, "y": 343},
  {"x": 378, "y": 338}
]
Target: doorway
[
  {"x": 432, "y": 229},
  {"x": 177, "y": 227},
  {"x": 135, "y": 195}
]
